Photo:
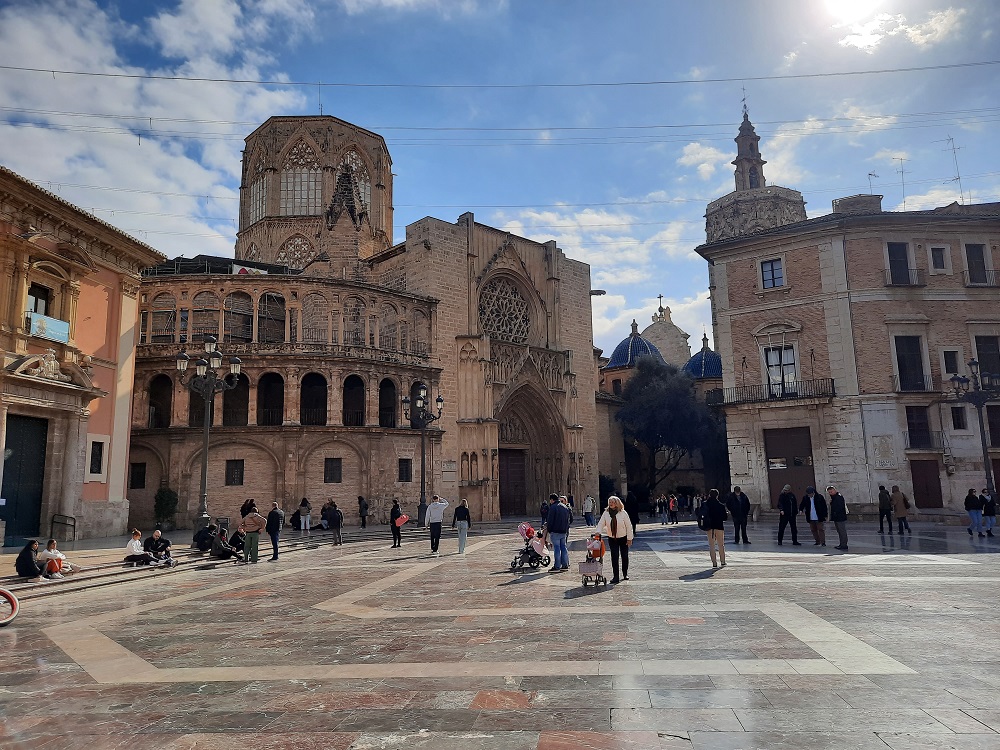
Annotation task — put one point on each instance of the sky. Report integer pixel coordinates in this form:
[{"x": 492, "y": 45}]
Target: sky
[{"x": 607, "y": 127}]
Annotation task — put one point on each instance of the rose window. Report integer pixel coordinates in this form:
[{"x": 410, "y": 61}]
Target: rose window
[{"x": 503, "y": 312}]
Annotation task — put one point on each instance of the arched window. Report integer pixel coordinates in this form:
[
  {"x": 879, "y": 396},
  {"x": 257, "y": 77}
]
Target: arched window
[
  {"x": 387, "y": 333},
  {"x": 312, "y": 400},
  {"x": 236, "y": 404},
  {"x": 164, "y": 319},
  {"x": 315, "y": 319},
  {"x": 196, "y": 410},
  {"x": 420, "y": 333},
  {"x": 271, "y": 319},
  {"x": 414, "y": 395},
  {"x": 354, "y": 401},
  {"x": 270, "y": 400},
  {"x": 354, "y": 322},
  {"x": 257, "y": 203},
  {"x": 353, "y": 166},
  {"x": 301, "y": 182},
  {"x": 237, "y": 322},
  {"x": 754, "y": 178},
  {"x": 204, "y": 316},
  {"x": 387, "y": 403},
  {"x": 161, "y": 400},
  {"x": 296, "y": 252}
]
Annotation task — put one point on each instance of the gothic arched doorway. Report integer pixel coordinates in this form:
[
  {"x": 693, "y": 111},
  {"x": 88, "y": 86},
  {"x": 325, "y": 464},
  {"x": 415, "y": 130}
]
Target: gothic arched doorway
[{"x": 531, "y": 450}]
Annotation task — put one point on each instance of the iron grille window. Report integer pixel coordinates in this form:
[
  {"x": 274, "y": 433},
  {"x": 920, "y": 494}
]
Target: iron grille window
[
  {"x": 137, "y": 476},
  {"x": 234, "y": 472},
  {"x": 333, "y": 470},
  {"x": 771, "y": 274},
  {"x": 97, "y": 457},
  {"x": 406, "y": 470}
]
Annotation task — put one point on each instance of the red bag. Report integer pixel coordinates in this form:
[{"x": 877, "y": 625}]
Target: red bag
[{"x": 402, "y": 519}]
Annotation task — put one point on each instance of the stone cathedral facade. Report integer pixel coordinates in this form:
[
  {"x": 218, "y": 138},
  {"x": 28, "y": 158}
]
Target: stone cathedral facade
[{"x": 335, "y": 322}]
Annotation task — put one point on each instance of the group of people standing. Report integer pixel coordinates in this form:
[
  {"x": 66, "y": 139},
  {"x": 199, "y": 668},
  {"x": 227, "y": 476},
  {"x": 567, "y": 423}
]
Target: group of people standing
[{"x": 982, "y": 510}]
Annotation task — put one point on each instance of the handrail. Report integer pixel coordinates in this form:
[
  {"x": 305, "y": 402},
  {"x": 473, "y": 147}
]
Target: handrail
[{"x": 782, "y": 391}]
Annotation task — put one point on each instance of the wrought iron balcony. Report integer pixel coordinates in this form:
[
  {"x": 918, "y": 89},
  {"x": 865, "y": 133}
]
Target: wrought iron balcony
[
  {"x": 981, "y": 277},
  {"x": 354, "y": 418},
  {"x": 312, "y": 416},
  {"x": 787, "y": 391},
  {"x": 905, "y": 277},
  {"x": 925, "y": 440},
  {"x": 913, "y": 382}
]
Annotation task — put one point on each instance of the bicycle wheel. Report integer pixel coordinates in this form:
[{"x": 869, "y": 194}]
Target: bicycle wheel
[{"x": 8, "y": 607}]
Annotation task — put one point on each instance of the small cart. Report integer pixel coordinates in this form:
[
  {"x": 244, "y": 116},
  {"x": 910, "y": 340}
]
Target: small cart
[{"x": 592, "y": 571}]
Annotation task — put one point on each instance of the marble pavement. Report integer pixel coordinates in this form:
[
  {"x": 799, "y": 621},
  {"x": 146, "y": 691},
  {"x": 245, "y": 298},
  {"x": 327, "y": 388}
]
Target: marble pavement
[{"x": 891, "y": 645}]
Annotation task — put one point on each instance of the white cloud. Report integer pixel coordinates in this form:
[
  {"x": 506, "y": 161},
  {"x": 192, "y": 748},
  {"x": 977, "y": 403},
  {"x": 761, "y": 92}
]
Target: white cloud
[
  {"x": 889, "y": 155},
  {"x": 613, "y": 315},
  {"x": 938, "y": 27},
  {"x": 933, "y": 198},
  {"x": 706, "y": 159},
  {"x": 447, "y": 8}
]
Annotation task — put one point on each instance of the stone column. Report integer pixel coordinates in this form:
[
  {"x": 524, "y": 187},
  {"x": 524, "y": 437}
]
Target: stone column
[
  {"x": 252, "y": 402},
  {"x": 291, "y": 405}
]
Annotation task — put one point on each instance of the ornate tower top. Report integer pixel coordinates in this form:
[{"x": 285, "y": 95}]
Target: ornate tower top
[{"x": 749, "y": 165}]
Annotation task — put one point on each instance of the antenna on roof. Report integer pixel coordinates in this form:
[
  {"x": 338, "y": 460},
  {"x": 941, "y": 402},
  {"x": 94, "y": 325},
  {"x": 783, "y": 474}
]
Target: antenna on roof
[
  {"x": 319, "y": 96},
  {"x": 958, "y": 174},
  {"x": 746, "y": 112},
  {"x": 870, "y": 175},
  {"x": 902, "y": 176}
]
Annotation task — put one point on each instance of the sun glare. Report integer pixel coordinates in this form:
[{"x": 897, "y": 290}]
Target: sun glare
[{"x": 851, "y": 11}]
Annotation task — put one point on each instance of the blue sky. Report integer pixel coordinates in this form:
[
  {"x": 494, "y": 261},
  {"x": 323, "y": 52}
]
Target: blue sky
[{"x": 460, "y": 89}]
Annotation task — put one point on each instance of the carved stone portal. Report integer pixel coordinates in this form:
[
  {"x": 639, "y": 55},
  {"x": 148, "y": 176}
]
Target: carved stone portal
[{"x": 48, "y": 368}]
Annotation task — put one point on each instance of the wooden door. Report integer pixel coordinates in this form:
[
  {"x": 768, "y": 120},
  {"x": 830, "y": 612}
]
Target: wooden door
[
  {"x": 789, "y": 461},
  {"x": 23, "y": 476},
  {"x": 926, "y": 478},
  {"x": 513, "y": 483}
]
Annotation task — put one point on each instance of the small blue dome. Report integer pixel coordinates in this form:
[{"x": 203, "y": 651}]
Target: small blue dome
[
  {"x": 704, "y": 364},
  {"x": 631, "y": 349}
]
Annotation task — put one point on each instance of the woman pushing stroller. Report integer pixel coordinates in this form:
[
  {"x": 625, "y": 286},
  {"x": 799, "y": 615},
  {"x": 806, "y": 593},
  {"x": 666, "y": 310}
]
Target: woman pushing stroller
[{"x": 617, "y": 526}]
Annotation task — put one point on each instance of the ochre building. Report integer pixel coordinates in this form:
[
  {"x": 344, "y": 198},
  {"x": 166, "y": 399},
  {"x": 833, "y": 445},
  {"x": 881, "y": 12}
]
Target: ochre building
[{"x": 335, "y": 322}]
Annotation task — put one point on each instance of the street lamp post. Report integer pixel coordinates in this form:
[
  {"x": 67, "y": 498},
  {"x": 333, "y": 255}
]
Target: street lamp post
[
  {"x": 423, "y": 417},
  {"x": 977, "y": 389},
  {"x": 206, "y": 382}
]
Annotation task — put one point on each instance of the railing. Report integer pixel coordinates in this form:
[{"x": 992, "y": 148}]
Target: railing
[
  {"x": 270, "y": 417},
  {"x": 786, "y": 391},
  {"x": 354, "y": 417},
  {"x": 925, "y": 440},
  {"x": 387, "y": 342},
  {"x": 312, "y": 417},
  {"x": 161, "y": 336},
  {"x": 981, "y": 278},
  {"x": 235, "y": 417},
  {"x": 387, "y": 418},
  {"x": 237, "y": 334},
  {"x": 158, "y": 418},
  {"x": 905, "y": 277},
  {"x": 914, "y": 382}
]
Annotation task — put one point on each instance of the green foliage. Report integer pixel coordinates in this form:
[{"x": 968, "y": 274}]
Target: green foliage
[
  {"x": 165, "y": 504},
  {"x": 607, "y": 486},
  {"x": 663, "y": 415}
]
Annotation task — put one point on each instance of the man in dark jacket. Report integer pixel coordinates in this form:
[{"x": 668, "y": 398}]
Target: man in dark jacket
[
  {"x": 275, "y": 519},
  {"x": 974, "y": 507},
  {"x": 788, "y": 508},
  {"x": 884, "y": 508},
  {"x": 989, "y": 510},
  {"x": 838, "y": 514},
  {"x": 813, "y": 507},
  {"x": 556, "y": 530},
  {"x": 739, "y": 508},
  {"x": 203, "y": 537}
]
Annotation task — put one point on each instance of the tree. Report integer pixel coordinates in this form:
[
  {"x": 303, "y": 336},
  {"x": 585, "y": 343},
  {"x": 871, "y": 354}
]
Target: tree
[
  {"x": 663, "y": 415},
  {"x": 165, "y": 505}
]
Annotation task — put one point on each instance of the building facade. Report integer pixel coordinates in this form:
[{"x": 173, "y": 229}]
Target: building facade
[
  {"x": 838, "y": 335},
  {"x": 335, "y": 323},
  {"x": 68, "y": 301}
]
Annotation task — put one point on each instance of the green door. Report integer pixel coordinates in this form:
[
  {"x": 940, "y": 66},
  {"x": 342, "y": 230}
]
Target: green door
[{"x": 23, "y": 476}]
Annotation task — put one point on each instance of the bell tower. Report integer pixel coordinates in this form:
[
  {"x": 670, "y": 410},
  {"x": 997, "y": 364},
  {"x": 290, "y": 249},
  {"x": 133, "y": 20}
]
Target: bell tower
[{"x": 749, "y": 165}]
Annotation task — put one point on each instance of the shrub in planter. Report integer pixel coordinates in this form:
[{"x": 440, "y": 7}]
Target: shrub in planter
[{"x": 165, "y": 506}]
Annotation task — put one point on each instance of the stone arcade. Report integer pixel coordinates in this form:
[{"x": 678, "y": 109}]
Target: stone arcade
[{"x": 335, "y": 323}]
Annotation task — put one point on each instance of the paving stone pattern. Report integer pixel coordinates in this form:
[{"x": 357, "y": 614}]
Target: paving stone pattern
[{"x": 358, "y": 647}]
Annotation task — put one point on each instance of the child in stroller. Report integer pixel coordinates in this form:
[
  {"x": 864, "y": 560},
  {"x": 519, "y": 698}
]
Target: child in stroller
[
  {"x": 533, "y": 553},
  {"x": 592, "y": 569}
]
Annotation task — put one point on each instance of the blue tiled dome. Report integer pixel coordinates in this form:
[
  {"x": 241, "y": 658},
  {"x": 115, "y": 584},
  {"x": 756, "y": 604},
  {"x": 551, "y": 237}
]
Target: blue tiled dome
[
  {"x": 704, "y": 364},
  {"x": 629, "y": 350}
]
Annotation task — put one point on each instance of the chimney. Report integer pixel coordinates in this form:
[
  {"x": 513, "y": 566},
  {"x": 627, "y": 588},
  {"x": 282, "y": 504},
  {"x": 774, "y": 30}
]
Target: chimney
[{"x": 858, "y": 204}]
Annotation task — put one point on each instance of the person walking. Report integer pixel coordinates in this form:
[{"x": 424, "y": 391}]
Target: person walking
[
  {"x": 556, "y": 530},
  {"x": 275, "y": 520},
  {"x": 838, "y": 514},
  {"x": 305, "y": 516},
  {"x": 397, "y": 528},
  {"x": 543, "y": 511},
  {"x": 435, "y": 517},
  {"x": 714, "y": 522},
  {"x": 974, "y": 507},
  {"x": 900, "y": 508},
  {"x": 253, "y": 524},
  {"x": 617, "y": 526},
  {"x": 463, "y": 520},
  {"x": 739, "y": 506},
  {"x": 989, "y": 510},
  {"x": 337, "y": 524},
  {"x": 589, "y": 506},
  {"x": 814, "y": 508},
  {"x": 363, "y": 511},
  {"x": 884, "y": 508},
  {"x": 672, "y": 507},
  {"x": 788, "y": 508}
]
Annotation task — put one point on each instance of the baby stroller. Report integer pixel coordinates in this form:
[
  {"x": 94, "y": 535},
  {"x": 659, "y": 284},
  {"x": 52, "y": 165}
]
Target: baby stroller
[
  {"x": 533, "y": 554},
  {"x": 592, "y": 569}
]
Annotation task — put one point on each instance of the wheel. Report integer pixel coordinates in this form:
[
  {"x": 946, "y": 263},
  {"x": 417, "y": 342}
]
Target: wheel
[
  {"x": 585, "y": 583},
  {"x": 513, "y": 565},
  {"x": 546, "y": 561},
  {"x": 534, "y": 564},
  {"x": 8, "y": 607}
]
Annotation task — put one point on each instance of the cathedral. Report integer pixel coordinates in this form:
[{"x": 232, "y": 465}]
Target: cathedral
[{"x": 340, "y": 327}]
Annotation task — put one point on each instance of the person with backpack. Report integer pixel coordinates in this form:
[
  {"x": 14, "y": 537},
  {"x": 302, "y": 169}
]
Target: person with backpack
[
  {"x": 712, "y": 519},
  {"x": 900, "y": 507}
]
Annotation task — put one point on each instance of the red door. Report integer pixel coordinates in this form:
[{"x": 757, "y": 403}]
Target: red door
[{"x": 926, "y": 477}]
